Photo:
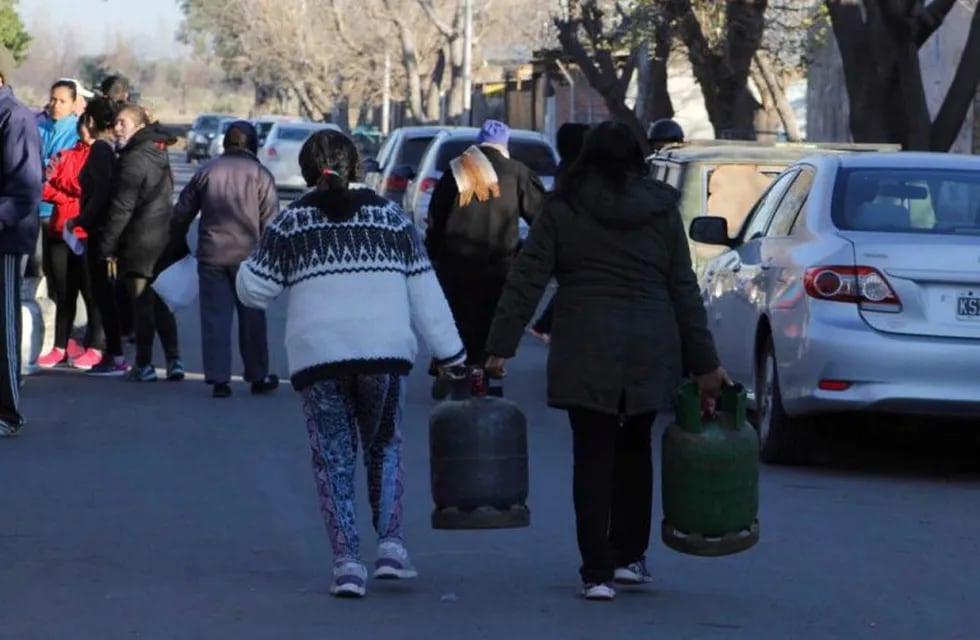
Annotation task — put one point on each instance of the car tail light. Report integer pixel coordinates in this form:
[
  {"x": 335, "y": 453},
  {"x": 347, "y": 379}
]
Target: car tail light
[
  {"x": 396, "y": 183},
  {"x": 859, "y": 285},
  {"x": 834, "y": 385},
  {"x": 272, "y": 152},
  {"x": 428, "y": 185}
]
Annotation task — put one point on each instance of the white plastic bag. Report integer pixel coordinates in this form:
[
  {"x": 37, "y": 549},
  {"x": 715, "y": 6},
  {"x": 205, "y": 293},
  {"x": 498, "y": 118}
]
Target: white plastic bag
[{"x": 177, "y": 285}]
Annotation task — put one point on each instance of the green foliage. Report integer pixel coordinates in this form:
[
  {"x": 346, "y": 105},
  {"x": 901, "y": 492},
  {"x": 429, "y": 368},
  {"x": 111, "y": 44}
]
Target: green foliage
[
  {"x": 92, "y": 70},
  {"x": 13, "y": 36}
]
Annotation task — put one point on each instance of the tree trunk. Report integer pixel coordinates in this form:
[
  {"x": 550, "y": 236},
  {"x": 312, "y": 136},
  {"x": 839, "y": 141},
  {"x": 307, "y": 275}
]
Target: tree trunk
[
  {"x": 658, "y": 103},
  {"x": 433, "y": 102},
  {"x": 962, "y": 93},
  {"x": 724, "y": 76}
]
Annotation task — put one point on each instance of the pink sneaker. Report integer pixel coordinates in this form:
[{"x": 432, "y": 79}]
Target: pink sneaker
[
  {"x": 87, "y": 360},
  {"x": 75, "y": 350},
  {"x": 52, "y": 358}
]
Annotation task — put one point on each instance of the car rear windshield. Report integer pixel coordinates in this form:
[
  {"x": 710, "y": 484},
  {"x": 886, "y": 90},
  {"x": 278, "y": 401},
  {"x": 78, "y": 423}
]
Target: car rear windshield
[
  {"x": 412, "y": 151},
  {"x": 207, "y": 123},
  {"x": 536, "y": 155},
  {"x": 293, "y": 134},
  {"x": 908, "y": 200}
]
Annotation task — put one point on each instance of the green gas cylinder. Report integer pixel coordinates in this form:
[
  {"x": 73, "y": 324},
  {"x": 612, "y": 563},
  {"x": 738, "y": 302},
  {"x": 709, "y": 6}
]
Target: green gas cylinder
[{"x": 710, "y": 476}]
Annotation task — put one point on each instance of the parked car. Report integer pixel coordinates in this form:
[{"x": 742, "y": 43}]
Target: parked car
[
  {"x": 399, "y": 156},
  {"x": 530, "y": 147},
  {"x": 217, "y": 146},
  {"x": 263, "y": 124},
  {"x": 725, "y": 178},
  {"x": 280, "y": 155},
  {"x": 853, "y": 285},
  {"x": 205, "y": 128}
]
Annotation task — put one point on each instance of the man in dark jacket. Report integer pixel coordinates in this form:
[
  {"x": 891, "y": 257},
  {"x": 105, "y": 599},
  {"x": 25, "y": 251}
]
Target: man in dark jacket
[
  {"x": 473, "y": 230},
  {"x": 236, "y": 197},
  {"x": 21, "y": 178}
]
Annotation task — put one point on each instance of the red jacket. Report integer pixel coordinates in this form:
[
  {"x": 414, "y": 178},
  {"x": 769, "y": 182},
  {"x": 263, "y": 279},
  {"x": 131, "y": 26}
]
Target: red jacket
[{"x": 62, "y": 189}]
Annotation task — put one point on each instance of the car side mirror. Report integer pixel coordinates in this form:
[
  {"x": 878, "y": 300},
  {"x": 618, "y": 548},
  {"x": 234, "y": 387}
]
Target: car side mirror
[
  {"x": 371, "y": 166},
  {"x": 710, "y": 230},
  {"x": 404, "y": 171}
]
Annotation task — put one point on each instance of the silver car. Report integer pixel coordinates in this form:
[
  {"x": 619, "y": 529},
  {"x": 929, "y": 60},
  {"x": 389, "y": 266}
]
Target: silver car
[
  {"x": 280, "y": 153},
  {"x": 853, "y": 285}
]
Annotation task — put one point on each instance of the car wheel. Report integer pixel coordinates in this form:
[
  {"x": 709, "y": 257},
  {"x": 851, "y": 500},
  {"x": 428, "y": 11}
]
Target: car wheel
[{"x": 782, "y": 439}]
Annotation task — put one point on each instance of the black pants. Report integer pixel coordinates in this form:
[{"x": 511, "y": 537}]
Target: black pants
[
  {"x": 11, "y": 276},
  {"x": 68, "y": 277},
  {"x": 104, "y": 295},
  {"x": 612, "y": 489},
  {"x": 152, "y": 317},
  {"x": 473, "y": 294}
]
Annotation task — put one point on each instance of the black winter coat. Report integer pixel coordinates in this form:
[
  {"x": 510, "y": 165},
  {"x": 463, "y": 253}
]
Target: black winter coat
[
  {"x": 483, "y": 232},
  {"x": 137, "y": 226},
  {"x": 628, "y": 316}
]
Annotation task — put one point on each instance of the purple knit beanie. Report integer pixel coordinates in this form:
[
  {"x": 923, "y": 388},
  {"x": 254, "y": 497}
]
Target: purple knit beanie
[{"x": 494, "y": 132}]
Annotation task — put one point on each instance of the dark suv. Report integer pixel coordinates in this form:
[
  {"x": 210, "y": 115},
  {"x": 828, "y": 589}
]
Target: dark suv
[{"x": 206, "y": 126}]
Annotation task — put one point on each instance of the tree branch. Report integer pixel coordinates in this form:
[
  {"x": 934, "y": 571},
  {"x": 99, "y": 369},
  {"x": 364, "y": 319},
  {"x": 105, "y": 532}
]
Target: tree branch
[{"x": 444, "y": 28}]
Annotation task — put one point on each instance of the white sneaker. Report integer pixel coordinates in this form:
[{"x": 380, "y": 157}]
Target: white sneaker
[
  {"x": 600, "y": 591},
  {"x": 349, "y": 580},
  {"x": 393, "y": 562}
]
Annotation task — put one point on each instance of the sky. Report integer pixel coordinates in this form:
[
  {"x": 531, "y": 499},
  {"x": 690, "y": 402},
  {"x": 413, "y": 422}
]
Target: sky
[{"x": 152, "y": 23}]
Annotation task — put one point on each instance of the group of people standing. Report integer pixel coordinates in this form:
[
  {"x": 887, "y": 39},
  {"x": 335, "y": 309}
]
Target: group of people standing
[{"x": 86, "y": 191}]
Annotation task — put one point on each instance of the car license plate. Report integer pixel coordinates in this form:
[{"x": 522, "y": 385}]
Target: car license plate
[{"x": 968, "y": 307}]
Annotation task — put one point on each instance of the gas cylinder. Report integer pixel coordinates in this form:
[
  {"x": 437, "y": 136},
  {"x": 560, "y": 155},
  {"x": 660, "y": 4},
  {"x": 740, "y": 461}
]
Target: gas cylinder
[
  {"x": 710, "y": 476},
  {"x": 478, "y": 459}
]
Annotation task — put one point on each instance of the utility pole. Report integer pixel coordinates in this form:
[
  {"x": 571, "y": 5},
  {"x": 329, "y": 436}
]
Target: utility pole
[
  {"x": 386, "y": 97},
  {"x": 467, "y": 61}
]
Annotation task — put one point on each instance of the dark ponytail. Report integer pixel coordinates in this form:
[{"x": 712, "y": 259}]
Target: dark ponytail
[{"x": 329, "y": 162}]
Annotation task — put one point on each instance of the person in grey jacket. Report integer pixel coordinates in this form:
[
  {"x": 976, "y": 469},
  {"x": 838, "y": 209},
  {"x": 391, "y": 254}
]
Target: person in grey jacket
[
  {"x": 236, "y": 197},
  {"x": 21, "y": 177},
  {"x": 629, "y": 322}
]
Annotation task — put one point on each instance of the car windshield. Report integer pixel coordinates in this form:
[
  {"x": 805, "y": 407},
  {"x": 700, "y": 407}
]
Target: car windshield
[
  {"x": 536, "y": 155},
  {"x": 263, "y": 128},
  {"x": 226, "y": 125},
  {"x": 908, "y": 200},
  {"x": 294, "y": 134},
  {"x": 207, "y": 122}
]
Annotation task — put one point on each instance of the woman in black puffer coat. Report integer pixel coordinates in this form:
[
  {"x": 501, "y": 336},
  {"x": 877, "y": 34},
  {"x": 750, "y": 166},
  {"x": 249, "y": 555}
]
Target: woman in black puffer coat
[{"x": 137, "y": 235}]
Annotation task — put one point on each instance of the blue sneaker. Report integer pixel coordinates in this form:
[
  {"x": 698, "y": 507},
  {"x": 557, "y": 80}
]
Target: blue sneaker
[
  {"x": 175, "y": 371},
  {"x": 146, "y": 373},
  {"x": 633, "y": 573}
]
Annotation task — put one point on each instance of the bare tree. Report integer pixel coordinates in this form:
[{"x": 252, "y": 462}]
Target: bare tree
[{"x": 879, "y": 42}]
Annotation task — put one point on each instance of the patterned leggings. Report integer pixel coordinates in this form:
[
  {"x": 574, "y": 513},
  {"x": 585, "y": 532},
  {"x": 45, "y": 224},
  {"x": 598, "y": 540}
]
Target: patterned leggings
[{"x": 337, "y": 412}]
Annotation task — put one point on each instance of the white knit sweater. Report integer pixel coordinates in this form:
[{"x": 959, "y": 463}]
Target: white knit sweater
[{"x": 356, "y": 289}]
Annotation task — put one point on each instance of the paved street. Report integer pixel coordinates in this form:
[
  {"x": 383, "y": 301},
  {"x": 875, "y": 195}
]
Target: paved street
[{"x": 154, "y": 512}]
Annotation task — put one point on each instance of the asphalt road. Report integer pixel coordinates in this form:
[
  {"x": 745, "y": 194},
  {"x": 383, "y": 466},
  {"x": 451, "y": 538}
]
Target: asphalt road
[{"x": 155, "y": 512}]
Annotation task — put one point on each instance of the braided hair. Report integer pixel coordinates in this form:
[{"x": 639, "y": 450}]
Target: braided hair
[{"x": 329, "y": 162}]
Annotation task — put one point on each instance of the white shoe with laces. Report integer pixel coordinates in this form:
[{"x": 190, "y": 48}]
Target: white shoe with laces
[{"x": 598, "y": 591}]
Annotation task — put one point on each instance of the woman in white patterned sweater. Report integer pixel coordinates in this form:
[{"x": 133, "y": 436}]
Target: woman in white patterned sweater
[{"x": 358, "y": 279}]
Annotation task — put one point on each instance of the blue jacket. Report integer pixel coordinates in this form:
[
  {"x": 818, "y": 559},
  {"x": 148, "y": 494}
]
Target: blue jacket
[
  {"x": 56, "y": 136},
  {"x": 21, "y": 175}
]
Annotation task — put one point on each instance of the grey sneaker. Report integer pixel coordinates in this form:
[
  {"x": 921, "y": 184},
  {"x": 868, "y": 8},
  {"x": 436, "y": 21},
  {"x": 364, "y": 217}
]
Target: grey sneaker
[
  {"x": 633, "y": 573},
  {"x": 349, "y": 580},
  {"x": 393, "y": 562}
]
